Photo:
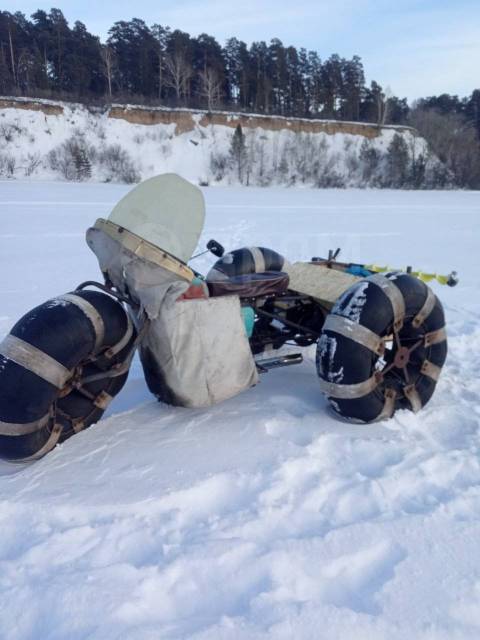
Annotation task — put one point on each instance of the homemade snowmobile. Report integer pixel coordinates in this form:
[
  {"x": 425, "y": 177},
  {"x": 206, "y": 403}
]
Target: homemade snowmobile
[{"x": 380, "y": 338}]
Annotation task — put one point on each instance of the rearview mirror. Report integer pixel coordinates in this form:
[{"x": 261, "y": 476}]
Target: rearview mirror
[{"x": 216, "y": 248}]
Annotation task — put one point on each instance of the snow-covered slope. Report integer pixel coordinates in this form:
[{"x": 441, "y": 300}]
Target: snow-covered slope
[
  {"x": 49, "y": 140},
  {"x": 263, "y": 517}
]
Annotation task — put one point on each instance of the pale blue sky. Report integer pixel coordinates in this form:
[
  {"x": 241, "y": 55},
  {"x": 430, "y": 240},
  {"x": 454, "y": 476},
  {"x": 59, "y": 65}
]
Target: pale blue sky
[{"x": 417, "y": 48}]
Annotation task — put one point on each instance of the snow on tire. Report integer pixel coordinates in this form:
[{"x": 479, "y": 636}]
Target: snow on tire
[{"x": 382, "y": 348}]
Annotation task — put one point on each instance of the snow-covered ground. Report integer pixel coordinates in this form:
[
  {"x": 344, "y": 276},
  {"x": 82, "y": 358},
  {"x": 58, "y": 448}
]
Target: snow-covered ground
[{"x": 263, "y": 517}]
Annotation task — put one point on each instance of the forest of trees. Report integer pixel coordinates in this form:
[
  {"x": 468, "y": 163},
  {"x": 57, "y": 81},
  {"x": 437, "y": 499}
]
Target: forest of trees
[{"x": 44, "y": 57}]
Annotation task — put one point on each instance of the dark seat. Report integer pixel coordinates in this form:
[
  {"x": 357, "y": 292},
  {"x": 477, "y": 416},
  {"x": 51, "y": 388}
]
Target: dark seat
[{"x": 252, "y": 285}]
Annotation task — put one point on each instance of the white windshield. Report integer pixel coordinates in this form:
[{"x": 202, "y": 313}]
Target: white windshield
[{"x": 166, "y": 211}]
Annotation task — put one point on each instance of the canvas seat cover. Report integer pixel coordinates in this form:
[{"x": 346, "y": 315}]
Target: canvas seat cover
[{"x": 251, "y": 285}]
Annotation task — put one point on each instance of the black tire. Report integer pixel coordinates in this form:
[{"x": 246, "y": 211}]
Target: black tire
[
  {"x": 155, "y": 379},
  {"x": 84, "y": 333},
  {"x": 361, "y": 383},
  {"x": 245, "y": 262}
]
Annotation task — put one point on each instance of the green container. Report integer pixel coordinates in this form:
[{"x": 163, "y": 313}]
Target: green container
[{"x": 248, "y": 315}]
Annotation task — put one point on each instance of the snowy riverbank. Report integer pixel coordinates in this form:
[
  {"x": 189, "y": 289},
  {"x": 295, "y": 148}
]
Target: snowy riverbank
[{"x": 55, "y": 140}]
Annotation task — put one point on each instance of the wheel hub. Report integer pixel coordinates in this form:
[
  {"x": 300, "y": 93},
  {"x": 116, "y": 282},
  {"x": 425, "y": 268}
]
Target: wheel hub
[{"x": 402, "y": 357}]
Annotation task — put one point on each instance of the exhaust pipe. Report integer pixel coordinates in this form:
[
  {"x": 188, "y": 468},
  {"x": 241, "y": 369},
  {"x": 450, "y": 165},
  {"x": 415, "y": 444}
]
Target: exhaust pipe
[{"x": 263, "y": 366}]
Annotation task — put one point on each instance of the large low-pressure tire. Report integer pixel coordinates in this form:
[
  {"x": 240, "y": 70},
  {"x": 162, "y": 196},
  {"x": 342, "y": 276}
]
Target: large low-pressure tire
[
  {"x": 44, "y": 363},
  {"x": 382, "y": 348},
  {"x": 244, "y": 262}
]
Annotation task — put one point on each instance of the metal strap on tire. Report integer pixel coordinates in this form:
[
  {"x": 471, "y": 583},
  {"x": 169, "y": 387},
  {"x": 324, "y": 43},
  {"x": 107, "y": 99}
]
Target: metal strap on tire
[
  {"x": 388, "y": 405},
  {"x": 435, "y": 337},
  {"x": 431, "y": 370},
  {"x": 426, "y": 309},
  {"x": 48, "y": 446},
  {"x": 19, "y": 429},
  {"x": 91, "y": 313},
  {"x": 349, "y": 391},
  {"x": 356, "y": 332},
  {"x": 121, "y": 367},
  {"x": 103, "y": 400},
  {"x": 35, "y": 360},
  {"x": 413, "y": 397},
  {"x": 112, "y": 351},
  {"x": 395, "y": 296}
]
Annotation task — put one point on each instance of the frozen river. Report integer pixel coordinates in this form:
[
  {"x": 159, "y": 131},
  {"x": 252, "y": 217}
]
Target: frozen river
[{"x": 262, "y": 517}]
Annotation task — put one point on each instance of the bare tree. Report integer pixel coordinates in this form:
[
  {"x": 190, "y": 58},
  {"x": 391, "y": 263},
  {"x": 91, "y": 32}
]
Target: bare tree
[
  {"x": 179, "y": 73},
  {"x": 12, "y": 56},
  {"x": 25, "y": 68},
  {"x": 454, "y": 141},
  {"x": 108, "y": 58},
  {"x": 210, "y": 87},
  {"x": 382, "y": 99}
]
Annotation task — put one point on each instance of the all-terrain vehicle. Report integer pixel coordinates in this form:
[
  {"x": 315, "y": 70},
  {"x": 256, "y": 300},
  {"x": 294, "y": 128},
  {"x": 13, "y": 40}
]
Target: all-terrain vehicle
[{"x": 380, "y": 338}]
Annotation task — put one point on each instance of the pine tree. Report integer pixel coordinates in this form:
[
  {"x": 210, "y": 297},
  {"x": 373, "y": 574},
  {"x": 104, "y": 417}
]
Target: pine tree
[
  {"x": 238, "y": 152},
  {"x": 369, "y": 158},
  {"x": 398, "y": 161},
  {"x": 83, "y": 166},
  {"x": 418, "y": 172}
]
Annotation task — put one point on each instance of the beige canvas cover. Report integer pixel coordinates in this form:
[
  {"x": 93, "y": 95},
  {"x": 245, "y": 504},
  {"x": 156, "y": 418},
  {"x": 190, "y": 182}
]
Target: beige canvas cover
[
  {"x": 195, "y": 353},
  {"x": 317, "y": 281},
  {"x": 200, "y": 351}
]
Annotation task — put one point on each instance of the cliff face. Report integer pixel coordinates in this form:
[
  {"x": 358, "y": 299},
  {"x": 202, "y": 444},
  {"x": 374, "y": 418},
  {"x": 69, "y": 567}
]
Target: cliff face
[
  {"x": 45, "y": 106},
  {"x": 49, "y": 139},
  {"x": 185, "y": 121}
]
